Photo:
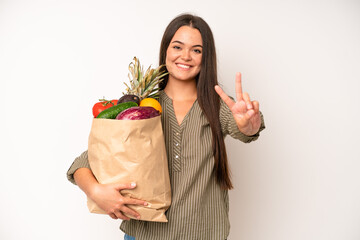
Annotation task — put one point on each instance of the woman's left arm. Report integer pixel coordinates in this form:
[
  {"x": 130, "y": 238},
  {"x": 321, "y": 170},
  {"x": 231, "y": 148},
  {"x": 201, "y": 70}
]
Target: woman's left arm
[{"x": 245, "y": 112}]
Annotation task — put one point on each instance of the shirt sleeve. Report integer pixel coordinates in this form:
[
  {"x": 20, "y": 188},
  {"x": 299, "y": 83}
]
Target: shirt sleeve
[
  {"x": 229, "y": 126},
  {"x": 79, "y": 162}
]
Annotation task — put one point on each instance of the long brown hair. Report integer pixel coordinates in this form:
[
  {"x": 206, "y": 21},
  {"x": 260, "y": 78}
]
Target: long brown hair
[{"x": 205, "y": 81}]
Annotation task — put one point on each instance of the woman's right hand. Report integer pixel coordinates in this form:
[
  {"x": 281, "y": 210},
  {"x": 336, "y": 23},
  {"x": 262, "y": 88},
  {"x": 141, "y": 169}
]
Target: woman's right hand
[{"x": 109, "y": 198}]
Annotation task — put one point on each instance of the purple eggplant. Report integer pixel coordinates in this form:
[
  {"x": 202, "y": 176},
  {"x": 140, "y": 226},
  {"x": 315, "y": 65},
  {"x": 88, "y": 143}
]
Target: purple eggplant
[
  {"x": 129, "y": 98},
  {"x": 138, "y": 113}
]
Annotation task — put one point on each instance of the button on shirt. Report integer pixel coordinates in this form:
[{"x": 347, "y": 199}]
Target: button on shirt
[{"x": 199, "y": 208}]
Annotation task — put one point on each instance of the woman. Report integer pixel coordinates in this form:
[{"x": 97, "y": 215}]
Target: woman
[{"x": 195, "y": 121}]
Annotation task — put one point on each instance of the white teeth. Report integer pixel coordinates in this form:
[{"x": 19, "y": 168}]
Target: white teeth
[{"x": 183, "y": 66}]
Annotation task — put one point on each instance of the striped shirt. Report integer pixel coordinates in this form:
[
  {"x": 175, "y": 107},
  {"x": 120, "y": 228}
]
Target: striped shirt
[{"x": 199, "y": 208}]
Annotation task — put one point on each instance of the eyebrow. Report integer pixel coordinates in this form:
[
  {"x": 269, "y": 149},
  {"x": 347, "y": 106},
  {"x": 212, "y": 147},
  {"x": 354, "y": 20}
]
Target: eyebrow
[{"x": 176, "y": 41}]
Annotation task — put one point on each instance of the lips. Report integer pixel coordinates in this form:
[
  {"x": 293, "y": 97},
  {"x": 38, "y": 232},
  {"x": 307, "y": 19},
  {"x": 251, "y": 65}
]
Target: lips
[{"x": 183, "y": 66}]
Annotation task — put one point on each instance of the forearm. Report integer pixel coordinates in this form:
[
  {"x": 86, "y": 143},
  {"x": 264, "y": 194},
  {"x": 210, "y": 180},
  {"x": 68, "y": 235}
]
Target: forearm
[{"x": 86, "y": 180}]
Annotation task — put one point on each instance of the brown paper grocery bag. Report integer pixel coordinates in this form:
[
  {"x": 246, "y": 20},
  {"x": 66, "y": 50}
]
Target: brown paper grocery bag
[{"x": 124, "y": 151}]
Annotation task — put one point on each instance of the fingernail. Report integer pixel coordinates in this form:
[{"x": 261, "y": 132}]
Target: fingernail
[
  {"x": 133, "y": 184},
  {"x": 145, "y": 203},
  {"x": 249, "y": 106},
  {"x": 138, "y": 217}
]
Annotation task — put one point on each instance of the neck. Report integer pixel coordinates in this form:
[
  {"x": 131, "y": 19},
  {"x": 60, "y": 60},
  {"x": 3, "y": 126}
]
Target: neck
[{"x": 181, "y": 90}]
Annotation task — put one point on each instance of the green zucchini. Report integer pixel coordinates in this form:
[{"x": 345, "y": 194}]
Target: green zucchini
[{"x": 112, "y": 112}]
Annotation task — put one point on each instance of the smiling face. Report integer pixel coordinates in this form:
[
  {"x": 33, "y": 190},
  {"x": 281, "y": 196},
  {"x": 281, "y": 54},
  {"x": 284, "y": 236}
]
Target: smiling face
[{"x": 183, "y": 56}]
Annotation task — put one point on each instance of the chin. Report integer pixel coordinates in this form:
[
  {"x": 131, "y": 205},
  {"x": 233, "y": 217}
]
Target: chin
[{"x": 184, "y": 77}]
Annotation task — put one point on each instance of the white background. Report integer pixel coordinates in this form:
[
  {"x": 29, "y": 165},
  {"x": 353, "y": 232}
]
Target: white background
[{"x": 300, "y": 59}]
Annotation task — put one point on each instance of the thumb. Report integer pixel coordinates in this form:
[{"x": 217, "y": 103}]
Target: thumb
[{"x": 121, "y": 186}]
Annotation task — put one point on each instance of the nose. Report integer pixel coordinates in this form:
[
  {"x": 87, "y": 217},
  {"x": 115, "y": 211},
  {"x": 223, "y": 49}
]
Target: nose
[{"x": 185, "y": 55}]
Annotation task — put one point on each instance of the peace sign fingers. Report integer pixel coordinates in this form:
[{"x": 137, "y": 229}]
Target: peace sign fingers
[{"x": 245, "y": 112}]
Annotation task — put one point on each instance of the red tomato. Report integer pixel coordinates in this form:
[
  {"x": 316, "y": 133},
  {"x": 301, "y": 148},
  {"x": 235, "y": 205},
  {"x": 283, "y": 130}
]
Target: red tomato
[{"x": 102, "y": 105}]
